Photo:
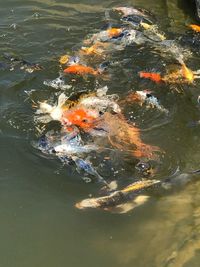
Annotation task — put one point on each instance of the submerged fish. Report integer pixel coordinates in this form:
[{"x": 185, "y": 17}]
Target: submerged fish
[
  {"x": 145, "y": 96},
  {"x": 122, "y": 201},
  {"x": 70, "y": 149},
  {"x": 152, "y": 32},
  {"x": 126, "y": 137},
  {"x": 128, "y": 11},
  {"x": 86, "y": 166},
  {"x": 116, "y": 199},
  {"x": 105, "y": 36},
  {"x": 119, "y": 38}
]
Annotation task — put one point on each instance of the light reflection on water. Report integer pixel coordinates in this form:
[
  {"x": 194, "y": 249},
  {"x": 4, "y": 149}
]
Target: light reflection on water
[{"x": 39, "y": 225}]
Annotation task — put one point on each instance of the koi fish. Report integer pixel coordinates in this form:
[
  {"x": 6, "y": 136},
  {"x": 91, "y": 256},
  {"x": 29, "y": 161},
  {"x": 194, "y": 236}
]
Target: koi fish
[
  {"x": 55, "y": 112},
  {"x": 92, "y": 50},
  {"x": 101, "y": 103},
  {"x": 64, "y": 59},
  {"x": 156, "y": 77},
  {"x": 183, "y": 75},
  {"x": 137, "y": 96},
  {"x": 99, "y": 49},
  {"x": 69, "y": 149},
  {"x": 80, "y": 117},
  {"x": 145, "y": 96},
  {"x": 69, "y": 60},
  {"x": 187, "y": 73},
  {"x": 128, "y": 11},
  {"x": 80, "y": 70},
  {"x": 114, "y": 32},
  {"x": 153, "y": 29},
  {"x": 116, "y": 200},
  {"x": 86, "y": 166},
  {"x": 195, "y": 27},
  {"x": 122, "y": 201},
  {"x": 126, "y": 137}
]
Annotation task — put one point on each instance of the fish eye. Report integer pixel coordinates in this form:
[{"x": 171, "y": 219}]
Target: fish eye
[{"x": 143, "y": 166}]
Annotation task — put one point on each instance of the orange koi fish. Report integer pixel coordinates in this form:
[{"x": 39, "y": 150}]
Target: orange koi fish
[
  {"x": 80, "y": 117},
  {"x": 156, "y": 77},
  {"x": 195, "y": 27},
  {"x": 80, "y": 70},
  {"x": 126, "y": 137},
  {"x": 114, "y": 32}
]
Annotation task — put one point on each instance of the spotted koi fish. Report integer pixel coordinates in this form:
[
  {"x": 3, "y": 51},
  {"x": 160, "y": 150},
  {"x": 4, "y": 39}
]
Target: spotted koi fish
[{"x": 118, "y": 198}]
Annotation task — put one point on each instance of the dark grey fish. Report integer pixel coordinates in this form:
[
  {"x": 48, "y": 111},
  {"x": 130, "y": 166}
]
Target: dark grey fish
[{"x": 89, "y": 169}]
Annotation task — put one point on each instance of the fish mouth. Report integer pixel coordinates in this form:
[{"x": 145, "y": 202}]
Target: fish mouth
[{"x": 86, "y": 204}]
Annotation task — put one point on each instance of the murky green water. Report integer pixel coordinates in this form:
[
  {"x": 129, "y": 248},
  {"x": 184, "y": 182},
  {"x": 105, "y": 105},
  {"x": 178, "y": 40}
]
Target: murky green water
[{"x": 39, "y": 225}]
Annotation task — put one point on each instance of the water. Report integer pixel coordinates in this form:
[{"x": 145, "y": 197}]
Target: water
[{"x": 39, "y": 224}]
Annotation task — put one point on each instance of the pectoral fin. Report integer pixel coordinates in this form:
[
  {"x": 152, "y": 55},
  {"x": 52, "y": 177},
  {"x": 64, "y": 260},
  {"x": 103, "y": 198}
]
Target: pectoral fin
[{"x": 128, "y": 206}]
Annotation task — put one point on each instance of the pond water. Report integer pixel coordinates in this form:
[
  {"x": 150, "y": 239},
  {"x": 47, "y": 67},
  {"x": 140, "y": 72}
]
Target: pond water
[{"x": 39, "y": 224}]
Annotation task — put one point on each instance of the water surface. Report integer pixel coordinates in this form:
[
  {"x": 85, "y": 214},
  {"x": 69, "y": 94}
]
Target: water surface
[{"x": 39, "y": 224}]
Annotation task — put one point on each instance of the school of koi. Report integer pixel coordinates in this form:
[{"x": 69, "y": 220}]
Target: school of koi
[{"x": 94, "y": 121}]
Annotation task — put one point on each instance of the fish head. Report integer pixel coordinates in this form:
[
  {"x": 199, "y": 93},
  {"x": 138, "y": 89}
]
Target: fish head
[
  {"x": 80, "y": 117},
  {"x": 87, "y": 203}
]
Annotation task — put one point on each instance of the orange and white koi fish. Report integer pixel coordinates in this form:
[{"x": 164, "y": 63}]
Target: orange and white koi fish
[
  {"x": 104, "y": 36},
  {"x": 80, "y": 117}
]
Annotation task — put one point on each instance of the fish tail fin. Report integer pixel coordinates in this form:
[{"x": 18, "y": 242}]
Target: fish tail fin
[
  {"x": 144, "y": 150},
  {"x": 128, "y": 206},
  {"x": 187, "y": 73},
  {"x": 61, "y": 100}
]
